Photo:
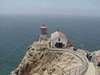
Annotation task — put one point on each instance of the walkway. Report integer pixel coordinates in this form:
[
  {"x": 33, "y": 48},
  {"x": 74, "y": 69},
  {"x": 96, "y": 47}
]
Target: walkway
[{"x": 91, "y": 69}]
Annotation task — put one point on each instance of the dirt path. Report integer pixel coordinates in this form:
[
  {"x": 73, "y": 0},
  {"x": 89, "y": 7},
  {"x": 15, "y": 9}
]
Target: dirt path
[{"x": 91, "y": 69}]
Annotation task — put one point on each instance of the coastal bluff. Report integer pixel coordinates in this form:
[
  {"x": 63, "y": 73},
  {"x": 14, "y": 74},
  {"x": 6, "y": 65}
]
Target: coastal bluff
[
  {"x": 50, "y": 62},
  {"x": 56, "y": 55}
]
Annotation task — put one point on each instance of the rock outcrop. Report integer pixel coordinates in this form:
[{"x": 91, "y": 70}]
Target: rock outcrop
[{"x": 49, "y": 62}]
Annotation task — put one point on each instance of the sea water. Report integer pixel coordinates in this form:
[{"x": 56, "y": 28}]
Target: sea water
[{"x": 18, "y": 32}]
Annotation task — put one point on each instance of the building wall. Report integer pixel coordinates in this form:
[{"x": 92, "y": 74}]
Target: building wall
[{"x": 62, "y": 40}]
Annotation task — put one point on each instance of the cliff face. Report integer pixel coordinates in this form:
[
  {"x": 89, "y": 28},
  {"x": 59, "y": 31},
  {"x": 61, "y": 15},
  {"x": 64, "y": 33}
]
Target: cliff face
[{"x": 47, "y": 62}]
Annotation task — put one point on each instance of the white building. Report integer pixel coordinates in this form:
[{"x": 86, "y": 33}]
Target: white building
[{"x": 58, "y": 40}]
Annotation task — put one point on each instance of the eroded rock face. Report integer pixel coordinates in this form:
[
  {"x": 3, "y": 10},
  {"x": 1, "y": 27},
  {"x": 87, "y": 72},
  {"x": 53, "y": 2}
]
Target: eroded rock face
[{"x": 44, "y": 62}]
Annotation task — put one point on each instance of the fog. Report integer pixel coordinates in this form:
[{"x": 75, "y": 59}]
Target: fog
[{"x": 50, "y": 7}]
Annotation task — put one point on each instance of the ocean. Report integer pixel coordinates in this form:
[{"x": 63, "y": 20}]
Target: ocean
[{"x": 18, "y": 32}]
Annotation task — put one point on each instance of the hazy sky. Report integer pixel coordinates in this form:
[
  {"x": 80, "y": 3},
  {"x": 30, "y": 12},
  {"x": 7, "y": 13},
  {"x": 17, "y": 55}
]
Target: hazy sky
[{"x": 50, "y": 7}]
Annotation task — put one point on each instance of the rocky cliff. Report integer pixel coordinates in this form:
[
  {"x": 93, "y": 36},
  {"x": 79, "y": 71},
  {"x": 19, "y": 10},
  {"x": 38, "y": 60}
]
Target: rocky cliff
[{"x": 48, "y": 62}]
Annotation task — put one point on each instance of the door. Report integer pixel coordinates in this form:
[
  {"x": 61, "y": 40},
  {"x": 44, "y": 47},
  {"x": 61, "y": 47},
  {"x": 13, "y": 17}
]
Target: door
[{"x": 59, "y": 45}]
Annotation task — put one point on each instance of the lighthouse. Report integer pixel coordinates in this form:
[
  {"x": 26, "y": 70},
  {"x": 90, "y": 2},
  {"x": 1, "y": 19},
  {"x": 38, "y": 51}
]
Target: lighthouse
[{"x": 44, "y": 32}]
